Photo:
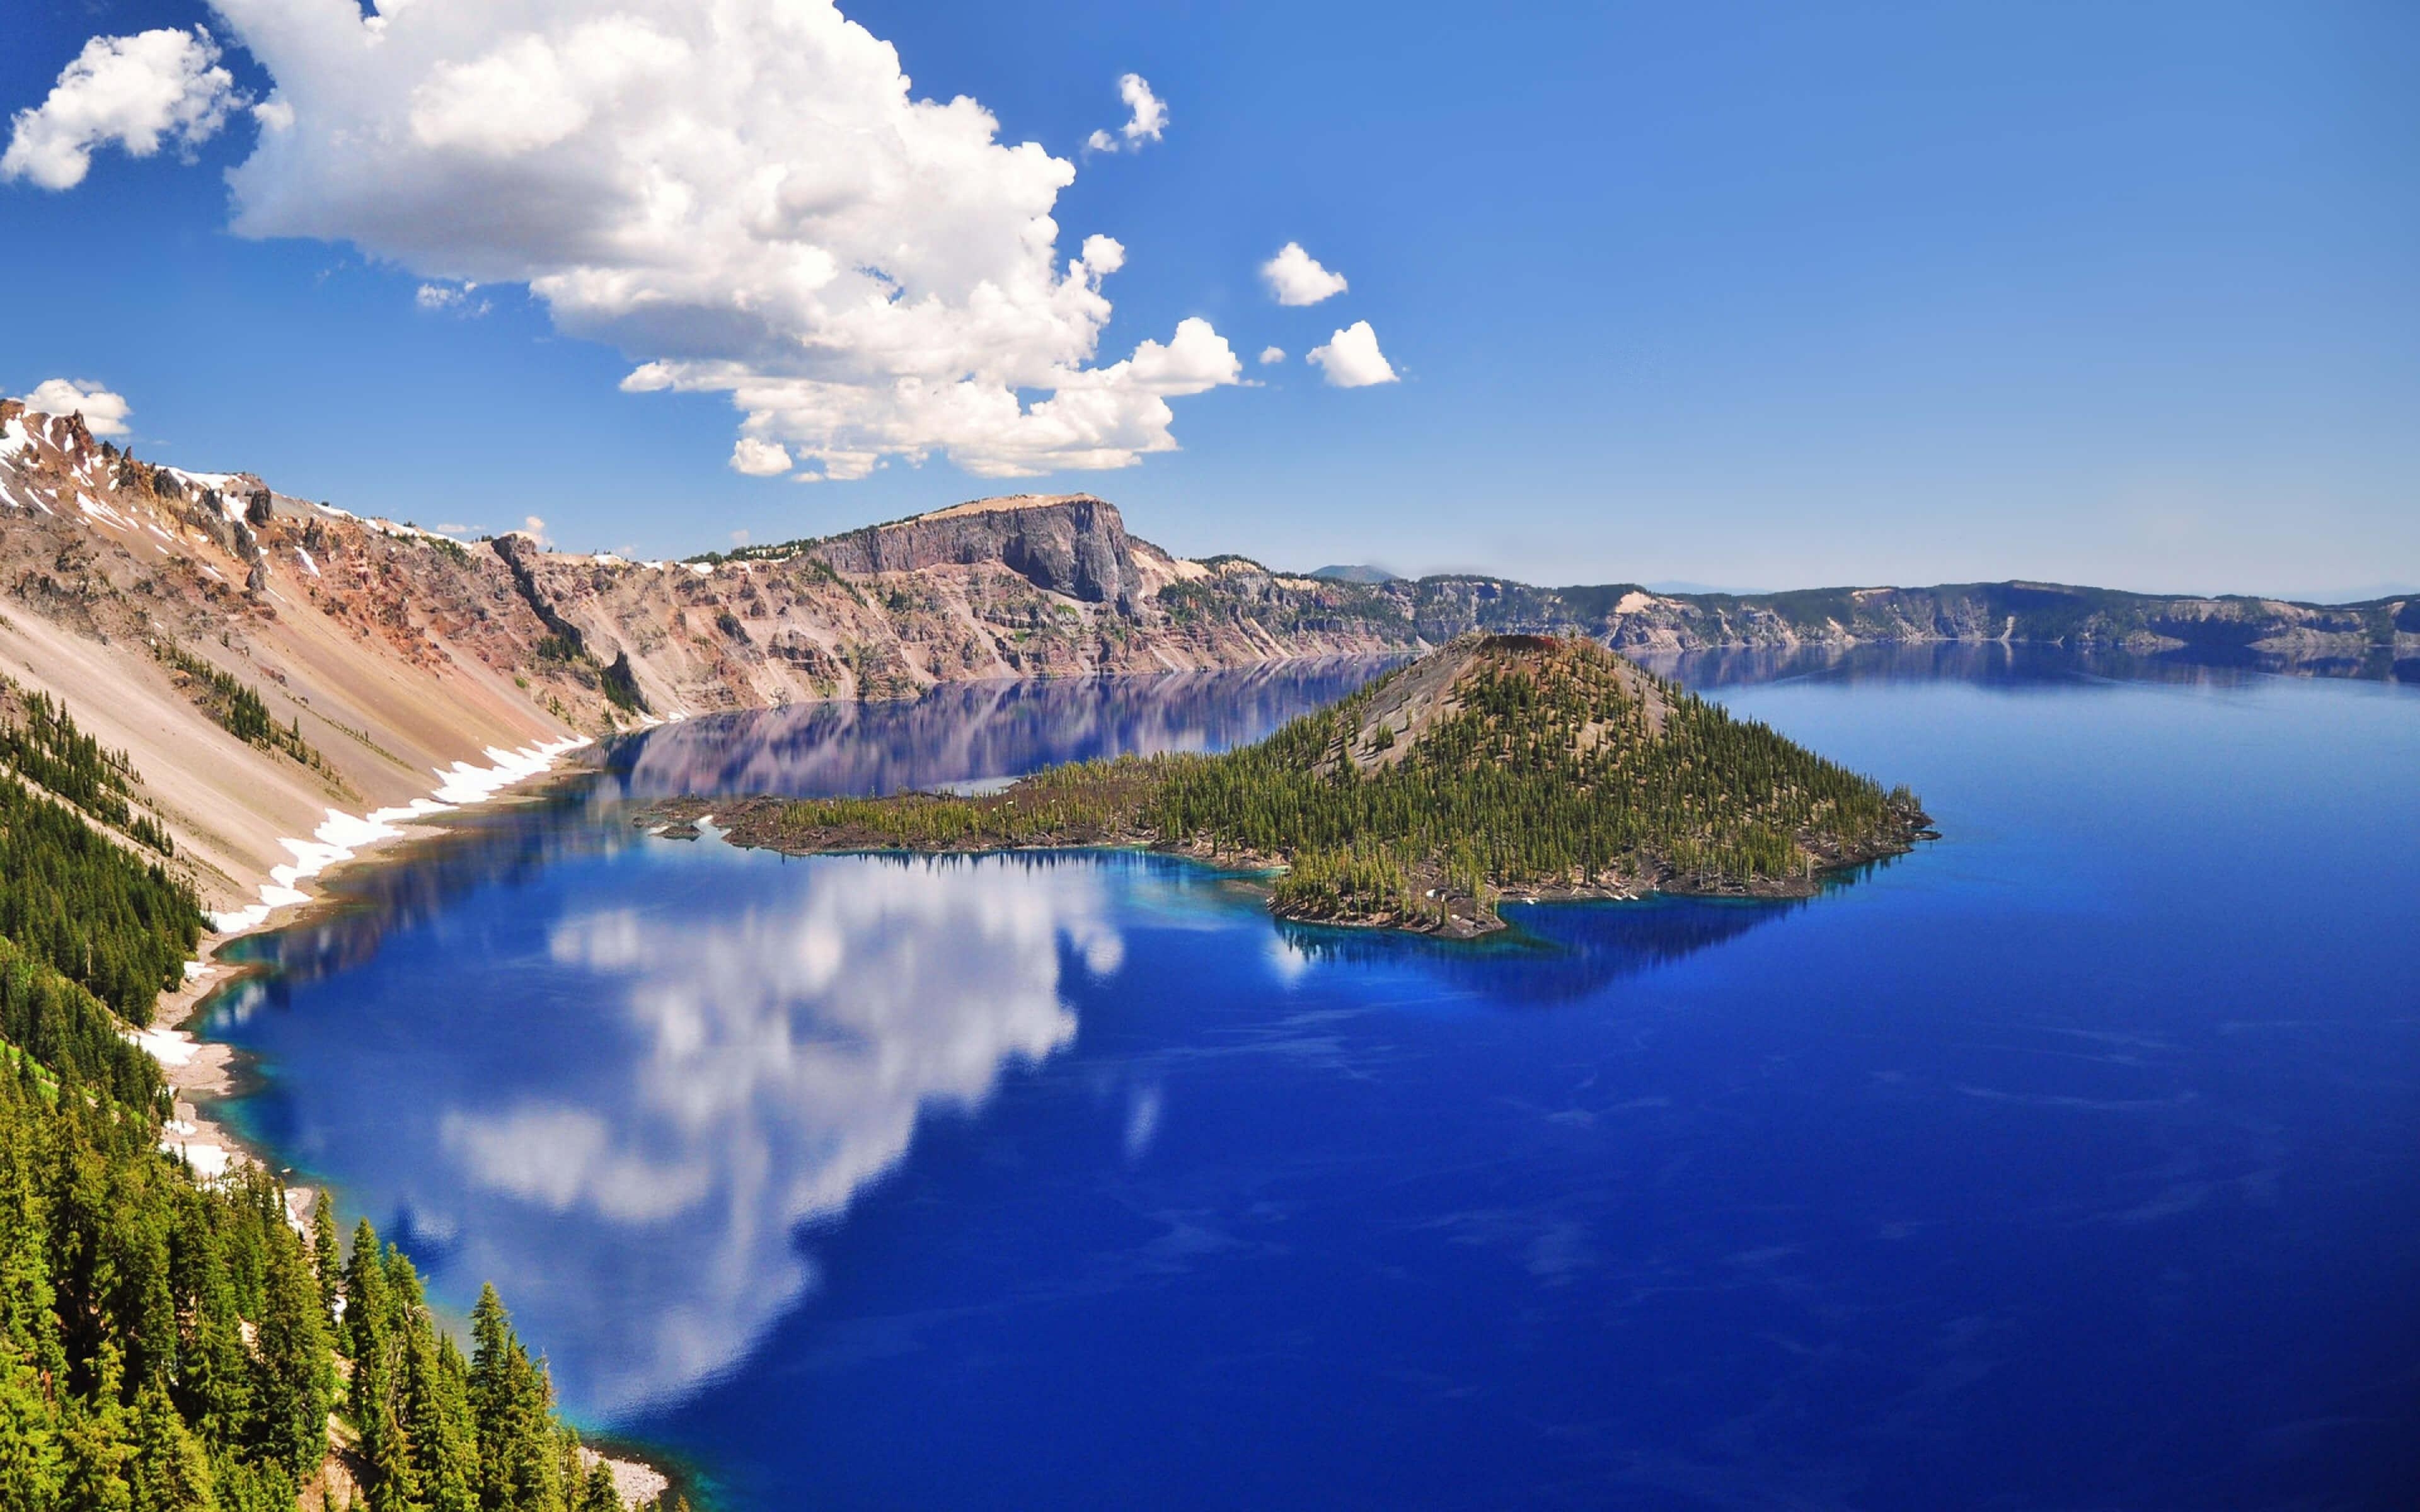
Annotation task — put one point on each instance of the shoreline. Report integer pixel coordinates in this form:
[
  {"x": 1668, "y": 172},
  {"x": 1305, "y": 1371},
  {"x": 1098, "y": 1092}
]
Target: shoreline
[
  {"x": 199, "y": 1071},
  {"x": 742, "y": 826}
]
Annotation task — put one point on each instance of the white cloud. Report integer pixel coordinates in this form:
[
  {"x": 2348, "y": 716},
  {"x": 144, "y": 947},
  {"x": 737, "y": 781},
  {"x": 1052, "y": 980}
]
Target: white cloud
[
  {"x": 450, "y": 299},
  {"x": 104, "y": 413},
  {"x": 139, "y": 92},
  {"x": 1270, "y": 356},
  {"x": 747, "y": 198},
  {"x": 1351, "y": 359},
  {"x": 1146, "y": 122},
  {"x": 1295, "y": 277},
  {"x": 759, "y": 459},
  {"x": 1149, "y": 121}
]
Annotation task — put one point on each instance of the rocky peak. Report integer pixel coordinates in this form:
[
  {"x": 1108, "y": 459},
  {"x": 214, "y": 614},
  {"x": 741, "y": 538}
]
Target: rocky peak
[
  {"x": 1071, "y": 543},
  {"x": 1568, "y": 674}
]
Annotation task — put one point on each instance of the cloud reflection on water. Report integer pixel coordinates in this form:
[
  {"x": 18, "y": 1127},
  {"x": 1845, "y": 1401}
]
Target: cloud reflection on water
[{"x": 774, "y": 1062}]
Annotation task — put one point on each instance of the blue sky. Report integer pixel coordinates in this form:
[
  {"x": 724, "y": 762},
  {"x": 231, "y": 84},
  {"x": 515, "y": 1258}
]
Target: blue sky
[{"x": 1745, "y": 295}]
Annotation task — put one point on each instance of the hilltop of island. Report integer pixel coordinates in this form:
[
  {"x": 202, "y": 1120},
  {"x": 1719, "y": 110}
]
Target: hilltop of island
[{"x": 1533, "y": 766}]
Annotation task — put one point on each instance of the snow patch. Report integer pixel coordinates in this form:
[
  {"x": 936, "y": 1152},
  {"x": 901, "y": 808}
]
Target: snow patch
[
  {"x": 208, "y": 1161},
  {"x": 218, "y": 482},
  {"x": 307, "y": 561},
  {"x": 341, "y": 835},
  {"x": 237, "y": 920},
  {"x": 169, "y": 1047}
]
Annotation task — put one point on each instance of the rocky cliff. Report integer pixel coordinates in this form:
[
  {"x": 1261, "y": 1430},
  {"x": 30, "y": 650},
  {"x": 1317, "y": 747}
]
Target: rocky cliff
[
  {"x": 1072, "y": 544},
  {"x": 267, "y": 660}
]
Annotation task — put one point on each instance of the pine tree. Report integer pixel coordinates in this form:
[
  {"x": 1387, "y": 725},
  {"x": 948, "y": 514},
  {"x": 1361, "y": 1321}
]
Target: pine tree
[
  {"x": 599, "y": 1495},
  {"x": 437, "y": 1423},
  {"x": 512, "y": 1403},
  {"x": 327, "y": 1258},
  {"x": 169, "y": 1471},
  {"x": 32, "y": 1469},
  {"x": 98, "y": 1443},
  {"x": 292, "y": 1378}
]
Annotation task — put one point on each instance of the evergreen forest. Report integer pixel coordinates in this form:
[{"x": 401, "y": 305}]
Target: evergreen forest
[{"x": 172, "y": 1342}]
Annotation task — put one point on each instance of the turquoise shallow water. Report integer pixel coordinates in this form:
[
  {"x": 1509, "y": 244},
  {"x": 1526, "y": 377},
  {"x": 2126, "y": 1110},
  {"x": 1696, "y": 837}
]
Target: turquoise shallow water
[{"x": 2073, "y": 1162}]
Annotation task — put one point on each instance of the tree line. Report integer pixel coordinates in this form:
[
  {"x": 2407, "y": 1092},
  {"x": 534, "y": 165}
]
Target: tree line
[
  {"x": 171, "y": 1342},
  {"x": 48, "y": 750}
]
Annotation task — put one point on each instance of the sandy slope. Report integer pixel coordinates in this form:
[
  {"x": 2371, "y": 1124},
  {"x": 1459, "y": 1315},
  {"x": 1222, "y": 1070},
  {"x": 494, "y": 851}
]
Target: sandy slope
[{"x": 102, "y": 571}]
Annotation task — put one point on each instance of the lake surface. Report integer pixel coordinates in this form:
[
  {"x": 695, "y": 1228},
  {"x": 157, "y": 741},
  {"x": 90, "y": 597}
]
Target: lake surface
[{"x": 2071, "y": 1162}]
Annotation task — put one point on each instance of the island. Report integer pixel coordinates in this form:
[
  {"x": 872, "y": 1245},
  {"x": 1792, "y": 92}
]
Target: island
[{"x": 1496, "y": 766}]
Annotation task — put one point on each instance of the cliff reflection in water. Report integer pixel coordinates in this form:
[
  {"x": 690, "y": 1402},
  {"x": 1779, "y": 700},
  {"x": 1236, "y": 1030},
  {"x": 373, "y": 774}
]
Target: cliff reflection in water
[
  {"x": 956, "y": 734},
  {"x": 966, "y": 732}
]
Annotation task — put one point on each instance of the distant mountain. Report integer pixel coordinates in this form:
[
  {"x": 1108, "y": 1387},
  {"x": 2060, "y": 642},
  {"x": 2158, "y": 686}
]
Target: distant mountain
[
  {"x": 264, "y": 657},
  {"x": 2380, "y": 634}
]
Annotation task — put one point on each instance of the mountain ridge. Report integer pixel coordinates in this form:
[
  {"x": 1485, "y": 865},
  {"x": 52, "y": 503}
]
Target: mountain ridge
[{"x": 364, "y": 655}]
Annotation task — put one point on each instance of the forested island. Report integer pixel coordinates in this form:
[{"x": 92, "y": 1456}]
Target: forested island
[
  {"x": 174, "y": 1342},
  {"x": 1532, "y": 767}
]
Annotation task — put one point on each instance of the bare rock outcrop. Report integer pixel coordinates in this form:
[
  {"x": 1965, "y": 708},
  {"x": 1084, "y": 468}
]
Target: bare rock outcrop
[{"x": 1073, "y": 544}]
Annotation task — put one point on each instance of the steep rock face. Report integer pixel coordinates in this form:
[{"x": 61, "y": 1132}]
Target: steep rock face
[
  {"x": 765, "y": 631},
  {"x": 1073, "y": 544}
]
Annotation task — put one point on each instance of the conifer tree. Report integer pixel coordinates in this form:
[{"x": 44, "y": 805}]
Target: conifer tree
[
  {"x": 292, "y": 1375},
  {"x": 32, "y": 1468},
  {"x": 599, "y": 1495},
  {"x": 169, "y": 1473},
  {"x": 95, "y": 1440},
  {"x": 327, "y": 1258}
]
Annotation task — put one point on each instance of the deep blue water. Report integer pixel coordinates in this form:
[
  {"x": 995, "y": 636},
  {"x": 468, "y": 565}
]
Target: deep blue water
[{"x": 2070, "y": 1162}]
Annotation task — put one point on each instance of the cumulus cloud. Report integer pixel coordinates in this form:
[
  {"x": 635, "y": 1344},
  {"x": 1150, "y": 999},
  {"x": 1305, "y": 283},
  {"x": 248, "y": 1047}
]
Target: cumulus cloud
[
  {"x": 1147, "y": 120},
  {"x": 104, "y": 412},
  {"x": 1351, "y": 359},
  {"x": 759, "y": 459},
  {"x": 450, "y": 299},
  {"x": 139, "y": 92},
  {"x": 1295, "y": 277},
  {"x": 748, "y": 198},
  {"x": 1270, "y": 356}
]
